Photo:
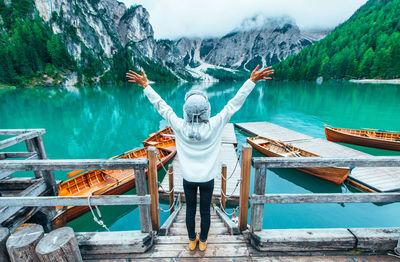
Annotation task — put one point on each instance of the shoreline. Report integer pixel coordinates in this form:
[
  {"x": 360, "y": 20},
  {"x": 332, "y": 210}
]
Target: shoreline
[{"x": 375, "y": 81}]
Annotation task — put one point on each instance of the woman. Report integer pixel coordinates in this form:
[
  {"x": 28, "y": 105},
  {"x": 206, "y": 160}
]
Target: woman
[{"x": 198, "y": 143}]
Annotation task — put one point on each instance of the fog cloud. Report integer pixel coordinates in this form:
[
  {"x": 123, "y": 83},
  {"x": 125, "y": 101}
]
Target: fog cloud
[{"x": 175, "y": 18}]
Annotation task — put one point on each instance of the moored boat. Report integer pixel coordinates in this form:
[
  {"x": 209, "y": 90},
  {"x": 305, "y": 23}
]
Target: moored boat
[
  {"x": 163, "y": 135},
  {"x": 274, "y": 148},
  {"x": 106, "y": 182},
  {"x": 370, "y": 138}
]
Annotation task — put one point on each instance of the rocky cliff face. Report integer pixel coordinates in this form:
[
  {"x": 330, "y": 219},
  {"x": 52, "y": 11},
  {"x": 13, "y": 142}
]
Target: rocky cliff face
[
  {"x": 94, "y": 28},
  {"x": 251, "y": 44},
  {"x": 99, "y": 27}
]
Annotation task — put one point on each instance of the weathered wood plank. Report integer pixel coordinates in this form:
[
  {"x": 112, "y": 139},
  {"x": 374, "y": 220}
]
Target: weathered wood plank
[
  {"x": 257, "y": 210},
  {"x": 4, "y": 155},
  {"x": 20, "y": 138},
  {"x": 376, "y": 239},
  {"x": 17, "y": 183},
  {"x": 232, "y": 227},
  {"x": 228, "y": 135},
  {"x": 144, "y": 210},
  {"x": 177, "y": 251},
  {"x": 164, "y": 229},
  {"x": 271, "y": 130},
  {"x": 13, "y": 132},
  {"x": 102, "y": 200},
  {"x": 326, "y": 198},
  {"x": 4, "y": 234},
  {"x": 303, "y": 239},
  {"x": 72, "y": 164},
  {"x": 102, "y": 243},
  {"x": 34, "y": 190},
  {"x": 183, "y": 231},
  {"x": 296, "y": 162},
  {"x": 212, "y": 239}
]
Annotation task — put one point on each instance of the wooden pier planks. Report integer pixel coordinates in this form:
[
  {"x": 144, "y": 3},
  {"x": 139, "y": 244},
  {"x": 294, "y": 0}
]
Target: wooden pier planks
[
  {"x": 228, "y": 135},
  {"x": 378, "y": 179},
  {"x": 227, "y": 156}
]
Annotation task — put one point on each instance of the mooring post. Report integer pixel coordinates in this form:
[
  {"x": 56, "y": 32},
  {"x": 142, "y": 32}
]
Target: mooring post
[
  {"x": 244, "y": 186},
  {"x": 257, "y": 210},
  {"x": 171, "y": 188},
  {"x": 21, "y": 244},
  {"x": 59, "y": 245},
  {"x": 223, "y": 186},
  {"x": 153, "y": 188},
  {"x": 144, "y": 210}
]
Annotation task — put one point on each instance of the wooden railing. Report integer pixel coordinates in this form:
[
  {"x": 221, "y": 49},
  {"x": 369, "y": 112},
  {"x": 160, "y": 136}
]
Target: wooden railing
[
  {"x": 261, "y": 164},
  {"x": 34, "y": 144},
  {"x": 142, "y": 198}
]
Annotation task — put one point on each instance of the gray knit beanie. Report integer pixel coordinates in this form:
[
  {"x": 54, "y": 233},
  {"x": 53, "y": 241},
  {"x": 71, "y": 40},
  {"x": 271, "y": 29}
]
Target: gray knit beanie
[{"x": 196, "y": 109}]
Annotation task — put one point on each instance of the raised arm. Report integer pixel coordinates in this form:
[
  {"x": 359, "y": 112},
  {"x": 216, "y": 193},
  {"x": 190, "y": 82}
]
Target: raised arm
[
  {"x": 163, "y": 108},
  {"x": 237, "y": 101}
]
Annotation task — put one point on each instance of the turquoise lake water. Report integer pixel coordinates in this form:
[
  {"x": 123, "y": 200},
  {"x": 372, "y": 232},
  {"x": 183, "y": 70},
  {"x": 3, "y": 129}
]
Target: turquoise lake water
[{"x": 100, "y": 122}]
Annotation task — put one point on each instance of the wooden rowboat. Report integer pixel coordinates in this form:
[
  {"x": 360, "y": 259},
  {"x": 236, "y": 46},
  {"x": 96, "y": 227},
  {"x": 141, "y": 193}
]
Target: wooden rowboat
[
  {"x": 273, "y": 148},
  {"x": 371, "y": 138},
  {"x": 160, "y": 136},
  {"x": 106, "y": 182}
]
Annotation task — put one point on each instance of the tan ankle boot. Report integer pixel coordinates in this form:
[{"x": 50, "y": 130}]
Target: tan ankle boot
[
  {"x": 193, "y": 243},
  {"x": 202, "y": 245}
]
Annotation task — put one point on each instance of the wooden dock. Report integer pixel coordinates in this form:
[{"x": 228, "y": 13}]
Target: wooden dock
[
  {"x": 225, "y": 244},
  {"x": 368, "y": 179},
  {"x": 227, "y": 156}
]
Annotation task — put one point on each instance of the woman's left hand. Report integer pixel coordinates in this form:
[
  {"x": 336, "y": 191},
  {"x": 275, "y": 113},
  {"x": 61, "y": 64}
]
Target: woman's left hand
[
  {"x": 262, "y": 74},
  {"x": 136, "y": 78}
]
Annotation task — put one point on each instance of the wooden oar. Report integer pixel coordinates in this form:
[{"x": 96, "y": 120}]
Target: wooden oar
[{"x": 74, "y": 173}]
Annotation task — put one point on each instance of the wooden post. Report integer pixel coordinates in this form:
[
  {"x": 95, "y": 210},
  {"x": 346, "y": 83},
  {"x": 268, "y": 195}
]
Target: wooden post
[
  {"x": 244, "y": 186},
  {"x": 21, "y": 244},
  {"x": 48, "y": 175},
  {"x": 4, "y": 234},
  {"x": 257, "y": 210},
  {"x": 223, "y": 186},
  {"x": 59, "y": 245},
  {"x": 153, "y": 188},
  {"x": 31, "y": 148},
  {"x": 171, "y": 188},
  {"x": 144, "y": 210}
]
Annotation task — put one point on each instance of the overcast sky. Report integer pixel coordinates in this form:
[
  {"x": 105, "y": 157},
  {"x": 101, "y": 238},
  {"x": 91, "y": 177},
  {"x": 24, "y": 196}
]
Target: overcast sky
[{"x": 175, "y": 18}]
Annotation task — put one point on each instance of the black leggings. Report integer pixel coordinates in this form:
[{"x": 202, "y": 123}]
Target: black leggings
[{"x": 206, "y": 191}]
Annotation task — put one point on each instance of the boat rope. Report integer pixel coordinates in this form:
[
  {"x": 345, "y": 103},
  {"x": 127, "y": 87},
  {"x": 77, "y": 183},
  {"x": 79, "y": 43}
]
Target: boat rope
[
  {"x": 97, "y": 220},
  {"x": 237, "y": 162},
  {"x": 173, "y": 204},
  {"x": 165, "y": 191},
  {"x": 228, "y": 214},
  {"x": 236, "y": 187}
]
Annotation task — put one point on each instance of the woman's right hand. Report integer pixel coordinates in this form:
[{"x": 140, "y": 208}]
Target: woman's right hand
[
  {"x": 136, "y": 78},
  {"x": 262, "y": 74}
]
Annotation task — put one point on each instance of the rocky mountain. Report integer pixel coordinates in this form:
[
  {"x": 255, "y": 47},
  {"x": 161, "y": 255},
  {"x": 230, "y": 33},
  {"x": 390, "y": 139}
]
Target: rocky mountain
[
  {"x": 263, "y": 41},
  {"x": 105, "y": 39}
]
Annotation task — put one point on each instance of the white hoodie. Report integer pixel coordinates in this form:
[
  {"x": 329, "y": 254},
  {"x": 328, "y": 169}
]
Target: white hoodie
[{"x": 198, "y": 160}]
